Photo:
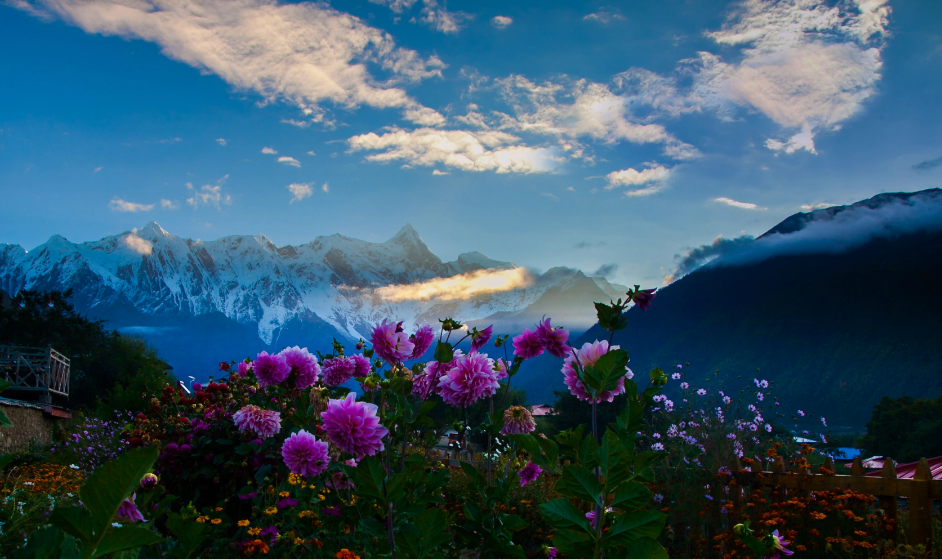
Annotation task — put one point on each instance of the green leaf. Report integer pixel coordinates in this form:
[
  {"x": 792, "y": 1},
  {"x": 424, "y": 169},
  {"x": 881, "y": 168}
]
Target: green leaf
[
  {"x": 644, "y": 460},
  {"x": 630, "y": 496},
  {"x": 551, "y": 450},
  {"x": 4, "y": 384},
  {"x": 581, "y": 483},
  {"x": 513, "y": 522},
  {"x": 444, "y": 353},
  {"x": 636, "y": 524},
  {"x": 588, "y": 450},
  {"x": 574, "y": 544},
  {"x": 5, "y": 460},
  {"x": 4, "y": 420},
  {"x": 395, "y": 487},
  {"x": 561, "y": 513},
  {"x": 113, "y": 482},
  {"x": 74, "y": 521},
  {"x": 476, "y": 478},
  {"x": 127, "y": 554},
  {"x": 610, "y": 453},
  {"x": 126, "y": 537},
  {"x": 190, "y": 535},
  {"x": 44, "y": 543},
  {"x": 646, "y": 548},
  {"x": 527, "y": 443},
  {"x": 370, "y": 478},
  {"x": 432, "y": 526}
]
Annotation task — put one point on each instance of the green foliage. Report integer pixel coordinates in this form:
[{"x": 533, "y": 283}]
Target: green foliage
[
  {"x": 4, "y": 420},
  {"x": 904, "y": 429}
]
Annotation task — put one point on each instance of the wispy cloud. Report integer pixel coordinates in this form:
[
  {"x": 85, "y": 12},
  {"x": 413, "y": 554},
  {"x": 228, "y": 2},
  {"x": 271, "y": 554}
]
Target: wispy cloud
[
  {"x": 289, "y": 161},
  {"x": 460, "y": 287},
  {"x": 221, "y": 141},
  {"x": 603, "y": 16},
  {"x": 137, "y": 244},
  {"x": 632, "y": 177},
  {"x": 436, "y": 172},
  {"x": 811, "y": 207},
  {"x": 209, "y": 195},
  {"x": 928, "y": 164},
  {"x": 736, "y": 204},
  {"x": 468, "y": 151},
  {"x": 269, "y": 151},
  {"x": 326, "y": 187},
  {"x": 501, "y": 22},
  {"x": 696, "y": 257},
  {"x": 605, "y": 270},
  {"x": 550, "y": 195},
  {"x": 119, "y": 205},
  {"x": 303, "y": 53},
  {"x": 97, "y": 169},
  {"x": 298, "y": 123},
  {"x": 440, "y": 19},
  {"x": 300, "y": 191},
  {"x": 311, "y": 153},
  {"x": 169, "y": 205},
  {"x": 170, "y": 141}
]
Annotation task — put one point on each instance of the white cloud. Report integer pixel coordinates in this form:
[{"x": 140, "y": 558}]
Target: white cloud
[
  {"x": 269, "y": 151},
  {"x": 468, "y": 151},
  {"x": 436, "y": 172},
  {"x": 631, "y": 177},
  {"x": 311, "y": 153},
  {"x": 805, "y": 65},
  {"x": 603, "y": 16},
  {"x": 460, "y": 287},
  {"x": 397, "y": 6},
  {"x": 812, "y": 207},
  {"x": 550, "y": 195},
  {"x": 119, "y": 205},
  {"x": 298, "y": 123},
  {"x": 170, "y": 141},
  {"x": 209, "y": 195},
  {"x": 735, "y": 204},
  {"x": 97, "y": 169},
  {"x": 169, "y": 205},
  {"x": 646, "y": 191},
  {"x": 501, "y": 22},
  {"x": 303, "y": 53},
  {"x": 289, "y": 161},
  {"x": 424, "y": 116},
  {"x": 440, "y": 19},
  {"x": 221, "y": 141},
  {"x": 326, "y": 187},
  {"x": 300, "y": 191},
  {"x": 138, "y": 245}
]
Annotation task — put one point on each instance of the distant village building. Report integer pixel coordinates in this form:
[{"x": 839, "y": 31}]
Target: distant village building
[{"x": 541, "y": 410}]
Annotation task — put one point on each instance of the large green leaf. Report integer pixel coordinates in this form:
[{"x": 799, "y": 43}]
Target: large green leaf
[
  {"x": 190, "y": 535},
  {"x": 112, "y": 483},
  {"x": 370, "y": 477},
  {"x": 562, "y": 513},
  {"x": 630, "y": 496},
  {"x": 126, "y": 537},
  {"x": 444, "y": 352},
  {"x": 44, "y": 543},
  {"x": 74, "y": 521},
  {"x": 636, "y": 524},
  {"x": 580, "y": 483},
  {"x": 527, "y": 443},
  {"x": 646, "y": 548},
  {"x": 573, "y": 543},
  {"x": 476, "y": 478}
]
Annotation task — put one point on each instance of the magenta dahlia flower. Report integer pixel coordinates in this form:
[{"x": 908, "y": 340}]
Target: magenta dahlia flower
[
  {"x": 303, "y": 365},
  {"x": 528, "y": 345},
  {"x": 422, "y": 340},
  {"x": 353, "y": 426},
  {"x": 501, "y": 367},
  {"x": 266, "y": 423},
  {"x": 271, "y": 369},
  {"x": 361, "y": 366},
  {"x": 471, "y": 378},
  {"x": 304, "y": 454},
  {"x": 517, "y": 421},
  {"x": 480, "y": 338},
  {"x": 589, "y": 356},
  {"x": 338, "y": 370},
  {"x": 340, "y": 481},
  {"x": 529, "y": 473},
  {"x": 390, "y": 343},
  {"x": 553, "y": 339},
  {"x": 244, "y": 368},
  {"x": 778, "y": 545},
  {"x": 643, "y": 298},
  {"x": 128, "y": 512}
]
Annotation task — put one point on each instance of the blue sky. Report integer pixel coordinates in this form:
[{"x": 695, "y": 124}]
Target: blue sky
[{"x": 543, "y": 133}]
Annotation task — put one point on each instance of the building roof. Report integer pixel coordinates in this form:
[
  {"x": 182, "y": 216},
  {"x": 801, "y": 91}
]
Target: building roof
[
  {"x": 542, "y": 409},
  {"x": 906, "y": 471}
]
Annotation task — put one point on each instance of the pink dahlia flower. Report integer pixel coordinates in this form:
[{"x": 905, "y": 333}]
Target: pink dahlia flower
[
  {"x": 271, "y": 369},
  {"x": 338, "y": 370},
  {"x": 528, "y": 345},
  {"x": 643, "y": 298},
  {"x": 471, "y": 378},
  {"x": 340, "y": 482},
  {"x": 589, "y": 356},
  {"x": 517, "y": 421},
  {"x": 529, "y": 473},
  {"x": 501, "y": 367},
  {"x": 361, "y": 366},
  {"x": 266, "y": 423},
  {"x": 481, "y": 338},
  {"x": 304, "y": 454},
  {"x": 390, "y": 343},
  {"x": 422, "y": 340},
  {"x": 303, "y": 365},
  {"x": 128, "y": 512},
  {"x": 244, "y": 368},
  {"x": 553, "y": 339},
  {"x": 353, "y": 426}
]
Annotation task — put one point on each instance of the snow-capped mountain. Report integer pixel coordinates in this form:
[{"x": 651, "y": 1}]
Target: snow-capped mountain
[{"x": 145, "y": 280}]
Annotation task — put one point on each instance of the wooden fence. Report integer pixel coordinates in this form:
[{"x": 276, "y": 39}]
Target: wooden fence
[
  {"x": 35, "y": 369},
  {"x": 920, "y": 491}
]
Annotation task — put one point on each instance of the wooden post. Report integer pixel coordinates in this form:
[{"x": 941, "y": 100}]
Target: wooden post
[
  {"x": 856, "y": 468},
  {"x": 829, "y": 465},
  {"x": 887, "y": 502},
  {"x": 778, "y": 467},
  {"x": 920, "y": 506}
]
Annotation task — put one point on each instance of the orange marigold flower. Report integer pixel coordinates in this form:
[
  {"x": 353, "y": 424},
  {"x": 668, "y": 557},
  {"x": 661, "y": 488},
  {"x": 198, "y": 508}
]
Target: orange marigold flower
[
  {"x": 216, "y": 521},
  {"x": 242, "y": 523},
  {"x": 346, "y": 554},
  {"x": 284, "y": 494}
]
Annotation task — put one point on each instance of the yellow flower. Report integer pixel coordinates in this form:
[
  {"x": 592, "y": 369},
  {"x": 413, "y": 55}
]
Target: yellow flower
[
  {"x": 270, "y": 490},
  {"x": 218, "y": 509},
  {"x": 298, "y": 541},
  {"x": 346, "y": 528},
  {"x": 271, "y": 510},
  {"x": 216, "y": 521},
  {"x": 284, "y": 494},
  {"x": 255, "y": 531},
  {"x": 321, "y": 497},
  {"x": 243, "y": 523},
  {"x": 294, "y": 479},
  {"x": 202, "y": 519}
]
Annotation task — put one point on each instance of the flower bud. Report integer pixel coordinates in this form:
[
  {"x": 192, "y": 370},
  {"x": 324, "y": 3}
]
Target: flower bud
[{"x": 149, "y": 481}]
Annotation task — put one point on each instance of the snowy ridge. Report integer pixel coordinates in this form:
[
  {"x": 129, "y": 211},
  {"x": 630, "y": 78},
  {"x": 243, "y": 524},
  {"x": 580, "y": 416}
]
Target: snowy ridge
[{"x": 251, "y": 281}]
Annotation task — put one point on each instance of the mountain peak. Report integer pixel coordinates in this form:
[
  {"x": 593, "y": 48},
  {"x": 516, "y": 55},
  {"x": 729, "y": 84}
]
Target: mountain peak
[
  {"x": 153, "y": 228},
  {"x": 407, "y": 235}
]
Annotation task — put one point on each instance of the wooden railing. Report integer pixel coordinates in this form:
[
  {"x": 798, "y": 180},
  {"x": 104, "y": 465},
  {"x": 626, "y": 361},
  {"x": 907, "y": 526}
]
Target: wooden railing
[
  {"x": 35, "y": 369},
  {"x": 920, "y": 491}
]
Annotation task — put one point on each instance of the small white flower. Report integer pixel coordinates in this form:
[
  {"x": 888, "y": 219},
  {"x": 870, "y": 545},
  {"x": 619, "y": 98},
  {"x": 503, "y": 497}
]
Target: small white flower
[
  {"x": 27, "y": 483},
  {"x": 73, "y": 466},
  {"x": 115, "y": 525}
]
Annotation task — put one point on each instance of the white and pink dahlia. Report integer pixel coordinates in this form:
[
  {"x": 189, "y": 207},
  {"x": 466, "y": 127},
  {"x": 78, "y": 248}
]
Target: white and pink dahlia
[
  {"x": 589, "y": 356},
  {"x": 471, "y": 378},
  {"x": 265, "y": 423},
  {"x": 518, "y": 421},
  {"x": 354, "y": 426},
  {"x": 338, "y": 370},
  {"x": 390, "y": 343}
]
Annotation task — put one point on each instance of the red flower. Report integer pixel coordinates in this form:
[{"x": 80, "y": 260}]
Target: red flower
[
  {"x": 136, "y": 442},
  {"x": 223, "y": 366}
]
